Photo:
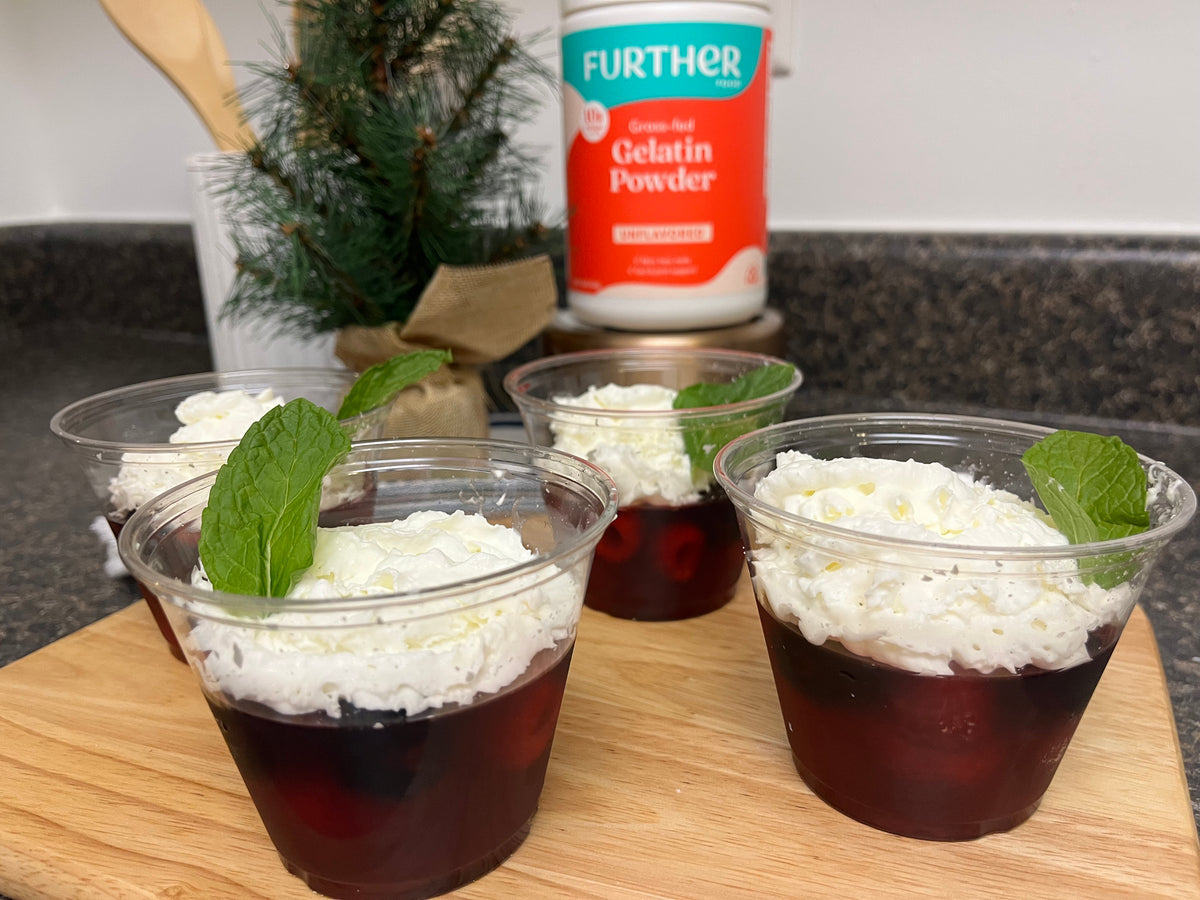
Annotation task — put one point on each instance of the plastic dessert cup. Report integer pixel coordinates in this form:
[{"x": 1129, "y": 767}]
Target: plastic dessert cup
[
  {"x": 362, "y": 800},
  {"x": 660, "y": 559},
  {"x": 138, "y": 419},
  {"x": 940, "y": 757}
]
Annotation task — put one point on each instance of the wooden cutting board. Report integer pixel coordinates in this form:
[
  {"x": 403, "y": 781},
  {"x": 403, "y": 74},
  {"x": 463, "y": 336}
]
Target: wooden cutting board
[{"x": 670, "y": 778}]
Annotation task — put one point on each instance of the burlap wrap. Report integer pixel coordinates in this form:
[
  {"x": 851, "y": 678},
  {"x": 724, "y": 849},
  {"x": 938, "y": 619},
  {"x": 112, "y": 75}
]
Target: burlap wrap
[{"x": 480, "y": 314}]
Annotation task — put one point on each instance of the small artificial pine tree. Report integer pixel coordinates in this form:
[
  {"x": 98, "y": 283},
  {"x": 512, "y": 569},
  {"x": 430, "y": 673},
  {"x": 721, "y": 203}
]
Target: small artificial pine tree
[{"x": 384, "y": 150}]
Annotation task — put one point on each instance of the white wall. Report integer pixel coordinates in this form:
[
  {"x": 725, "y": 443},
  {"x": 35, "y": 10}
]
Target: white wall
[{"x": 1048, "y": 115}]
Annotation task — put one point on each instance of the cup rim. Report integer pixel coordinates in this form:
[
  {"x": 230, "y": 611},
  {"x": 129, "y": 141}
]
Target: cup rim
[
  {"x": 561, "y": 360},
  {"x": 214, "y": 604},
  {"x": 932, "y": 422},
  {"x": 61, "y": 421}
]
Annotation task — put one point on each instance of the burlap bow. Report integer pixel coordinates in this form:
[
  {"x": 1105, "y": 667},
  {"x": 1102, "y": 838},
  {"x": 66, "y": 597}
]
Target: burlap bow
[{"x": 481, "y": 314}]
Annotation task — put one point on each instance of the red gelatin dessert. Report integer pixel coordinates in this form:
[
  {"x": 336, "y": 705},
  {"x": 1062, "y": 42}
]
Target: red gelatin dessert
[
  {"x": 940, "y": 757},
  {"x": 656, "y": 563},
  {"x": 377, "y": 804},
  {"x": 155, "y": 605}
]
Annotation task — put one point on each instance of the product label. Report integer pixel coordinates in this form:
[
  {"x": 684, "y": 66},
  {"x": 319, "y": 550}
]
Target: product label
[{"x": 665, "y": 134}]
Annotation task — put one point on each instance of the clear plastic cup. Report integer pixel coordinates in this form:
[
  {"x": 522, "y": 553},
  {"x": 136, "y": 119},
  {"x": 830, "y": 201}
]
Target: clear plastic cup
[
  {"x": 935, "y": 756},
  {"x": 395, "y": 745},
  {"x": 669, "y": 554},
  {"x": 129, "y": 427}
]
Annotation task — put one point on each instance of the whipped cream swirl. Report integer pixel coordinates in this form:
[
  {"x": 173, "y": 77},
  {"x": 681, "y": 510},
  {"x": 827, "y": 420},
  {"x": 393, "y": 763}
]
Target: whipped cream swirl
[
  {"x": 206, "y": 417},
  {"x": 645, "y": 456},
  {"x": 390, "y": 657},
  {"x": 914, "y": 610}
]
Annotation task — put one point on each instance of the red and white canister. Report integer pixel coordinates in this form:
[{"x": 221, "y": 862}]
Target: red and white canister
[{"x": 665, "y": 127}]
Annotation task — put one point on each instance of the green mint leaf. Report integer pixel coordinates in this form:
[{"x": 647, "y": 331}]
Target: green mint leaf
[
  {"x": 756, "y": 383},
  {"x": 259, "y": 527},
  {"x": 1094, "y": 487},
  {"x": 704, "y": 440},
  {"x": 378, "y": 384}
]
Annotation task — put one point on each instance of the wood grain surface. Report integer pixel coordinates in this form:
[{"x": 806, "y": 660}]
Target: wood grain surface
[{"x": 670, "y": 778}]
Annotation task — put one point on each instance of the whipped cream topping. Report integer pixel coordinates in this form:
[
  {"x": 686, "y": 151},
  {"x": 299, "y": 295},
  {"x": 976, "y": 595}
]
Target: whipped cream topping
[
  {"x": 646, "y": 457},
  {"x": 915, "y": 611},
  {"x": 204, "y": 417},
  {"x": 474, "y": 642}
]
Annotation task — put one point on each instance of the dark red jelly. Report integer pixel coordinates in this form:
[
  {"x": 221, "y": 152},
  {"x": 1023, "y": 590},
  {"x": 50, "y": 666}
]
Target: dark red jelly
[
  {"x": 937, "y": 757},
  {"x": 380, "y": 805},
  {"x": 667, "y": 562},
  {"x": 156, "y": 609}
]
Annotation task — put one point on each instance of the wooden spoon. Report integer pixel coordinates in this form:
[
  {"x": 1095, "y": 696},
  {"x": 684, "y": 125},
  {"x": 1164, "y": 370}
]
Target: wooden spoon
[{"x": 182, "y": 40}]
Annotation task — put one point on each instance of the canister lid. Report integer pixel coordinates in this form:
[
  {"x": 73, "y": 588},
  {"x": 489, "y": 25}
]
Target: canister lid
[
  {"x": 762, "y": 334},
  {"x": 570, "y": 6}
]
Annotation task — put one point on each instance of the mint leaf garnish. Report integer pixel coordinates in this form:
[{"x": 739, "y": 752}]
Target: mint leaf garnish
[
  {"x": 259, "y": 527},
  {"x": 378, "y": 384},
  {"x": 1095, "y": 490},
  {"x": 756, "y": 383},
  {"x": 1094, "y": 487},
  {"x": 704, "y": 440}
]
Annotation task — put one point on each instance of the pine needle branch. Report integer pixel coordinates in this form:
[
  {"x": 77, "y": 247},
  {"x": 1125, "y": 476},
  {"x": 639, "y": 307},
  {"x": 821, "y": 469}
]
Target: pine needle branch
[
  {"x": 411, "y": 51},
  {"x": 501, "y": 57},
  {"x": 385, "y": 150}
]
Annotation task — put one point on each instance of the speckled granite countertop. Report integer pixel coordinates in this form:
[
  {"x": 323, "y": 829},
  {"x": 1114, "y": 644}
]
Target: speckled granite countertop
[{"x": 875, "y": 322}]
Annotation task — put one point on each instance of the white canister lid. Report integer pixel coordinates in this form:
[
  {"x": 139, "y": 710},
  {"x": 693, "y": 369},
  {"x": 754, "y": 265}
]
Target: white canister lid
[{"x": 573, "y": 6}]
